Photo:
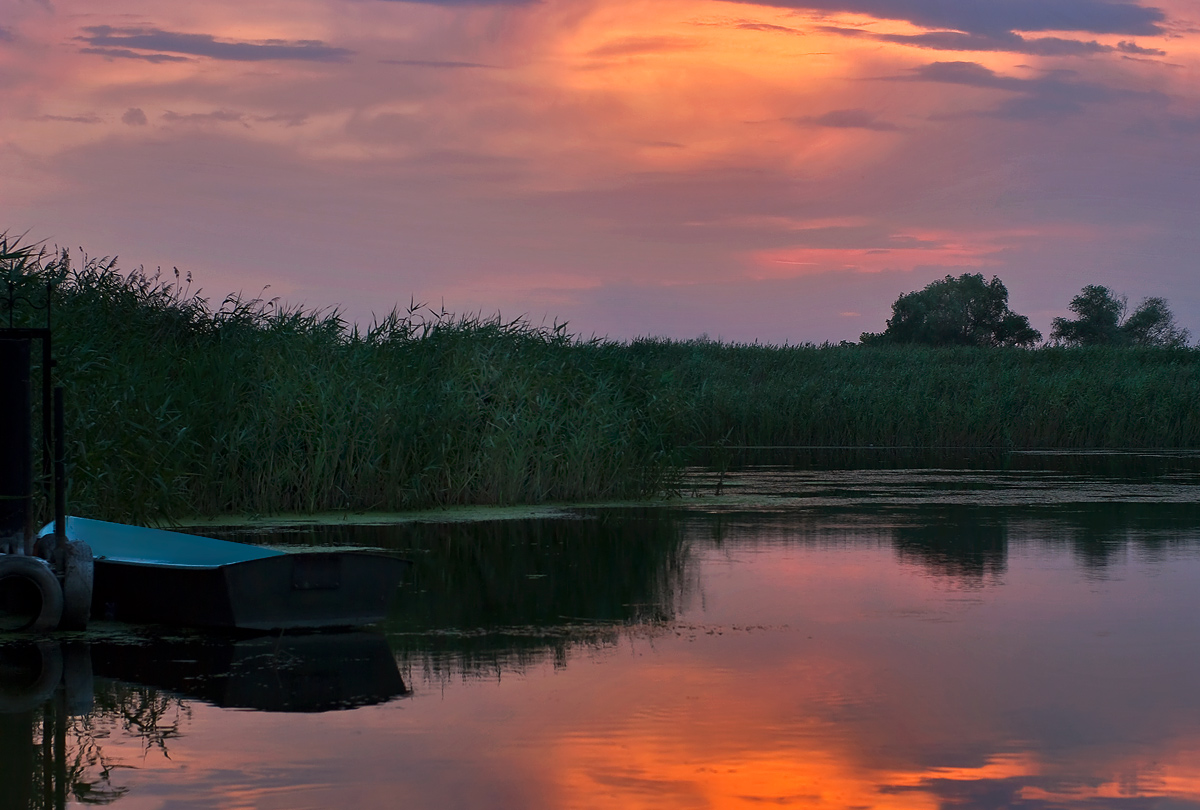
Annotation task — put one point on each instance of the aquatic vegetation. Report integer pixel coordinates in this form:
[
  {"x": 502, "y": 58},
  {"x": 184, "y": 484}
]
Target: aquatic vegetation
[
  {"x": 179, "y": 409},
  {"x": 915, "y": 396}
]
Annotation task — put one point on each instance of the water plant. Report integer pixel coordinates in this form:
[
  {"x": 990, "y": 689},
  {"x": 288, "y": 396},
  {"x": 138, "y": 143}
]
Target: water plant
[
  {"x": 180, "y": 408},
  {"x": 917, "y": 396}
]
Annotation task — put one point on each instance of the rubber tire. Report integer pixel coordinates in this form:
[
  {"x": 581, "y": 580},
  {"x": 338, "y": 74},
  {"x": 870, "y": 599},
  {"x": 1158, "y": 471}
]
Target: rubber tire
[
  {"x": 38, "y": 572},
  {"x": 29, "y": 696},
  {"x": 77, "y": 586}
]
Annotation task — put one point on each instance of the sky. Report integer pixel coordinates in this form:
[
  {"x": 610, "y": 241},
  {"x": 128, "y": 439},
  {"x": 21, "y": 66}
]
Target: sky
[{"x": 751, "y": 171}]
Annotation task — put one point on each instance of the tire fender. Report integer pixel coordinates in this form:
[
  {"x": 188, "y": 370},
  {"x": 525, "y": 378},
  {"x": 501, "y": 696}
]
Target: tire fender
[
  {"x": 37, "y": 573},
  {"x": 33, "y": 672},
  {"x": 77, "y": 585}
]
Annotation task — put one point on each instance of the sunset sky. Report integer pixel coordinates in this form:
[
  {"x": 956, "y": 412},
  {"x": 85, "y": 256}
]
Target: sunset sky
[{"x": 775, "y": 171}]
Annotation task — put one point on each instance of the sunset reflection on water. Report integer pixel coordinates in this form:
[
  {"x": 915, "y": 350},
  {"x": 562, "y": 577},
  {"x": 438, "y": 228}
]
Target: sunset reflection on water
[{"x": 797, "y": 659}]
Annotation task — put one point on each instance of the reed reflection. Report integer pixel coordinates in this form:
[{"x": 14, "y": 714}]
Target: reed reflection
[
  {"x": 509, "y": 595},
  {"x": 489, "y": 596},
  {"x": 47, "y": 752},
  {"x": 963, "y": 542}
]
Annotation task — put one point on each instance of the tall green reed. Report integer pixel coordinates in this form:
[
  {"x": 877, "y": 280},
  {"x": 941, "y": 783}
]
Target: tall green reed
[
  {"x": 177, "y": 408},
  {"x": 909, "y": 396}
]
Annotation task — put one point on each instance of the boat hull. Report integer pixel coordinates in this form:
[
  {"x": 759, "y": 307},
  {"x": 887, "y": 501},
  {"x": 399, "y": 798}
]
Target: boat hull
[{"x": 287, "y": 591}]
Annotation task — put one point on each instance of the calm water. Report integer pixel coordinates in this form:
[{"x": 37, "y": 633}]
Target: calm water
[{"x": 1024, "y": 634}]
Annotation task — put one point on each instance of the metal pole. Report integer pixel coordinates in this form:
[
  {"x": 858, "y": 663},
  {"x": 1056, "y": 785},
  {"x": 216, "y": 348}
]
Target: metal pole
[
  {"x": 47, "y": 385},
  {"x": 60, "y": 474},
  {"x": 16, "y": 446}
]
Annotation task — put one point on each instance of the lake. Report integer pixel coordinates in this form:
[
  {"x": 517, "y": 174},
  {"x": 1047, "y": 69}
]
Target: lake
[{"x": 887, "y": 630}]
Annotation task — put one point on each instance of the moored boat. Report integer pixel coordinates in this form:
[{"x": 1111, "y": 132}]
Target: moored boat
[{"x": 156, "y": 576}]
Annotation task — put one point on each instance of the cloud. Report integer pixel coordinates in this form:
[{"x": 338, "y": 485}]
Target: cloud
[
  {"x": 1184, "y": 126},
  {"x": 125, "y": 53},
  {"x": 125, "y": 41},
  {"x": 434, "y": 63},
  {"x": 287, "y": 119},
  {"x": 750, "y": 25},
  {"x": 455, "y": 3},
  {"x": 221, "y": 116},
  {"x": 972, "y": 74},
  {"x": 1011, "y": 43},
  {"x": 1133, "y": 47},
  {"x": 847, "y": 119},
  {"x": 747, "y": 25},
  {"x": 73, "y": 119},
  {"x": 997, "y": 17},
  {"x": 1054, "y": 94},
  {"x": 7, "y": 34},
  {"x": 632, "y": 46},
  {"x": 134, "y": 117},
  {"x": 1007, "y": 42}
]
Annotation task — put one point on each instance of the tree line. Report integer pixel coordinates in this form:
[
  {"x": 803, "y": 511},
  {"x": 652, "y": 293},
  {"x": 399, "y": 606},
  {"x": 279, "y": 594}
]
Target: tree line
[{"x": 970, "y": 311}]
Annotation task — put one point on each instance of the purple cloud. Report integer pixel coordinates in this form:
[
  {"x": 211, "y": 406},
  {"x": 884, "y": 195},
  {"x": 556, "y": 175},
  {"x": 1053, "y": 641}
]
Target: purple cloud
[
  {"x": 125, "y": 53},
  {"x": 125, "y": 42},
  {"x": 434, "y": 63},
  {"x": 848, "y": 119},
  {"x": 72, "y": 119},
  {"x": 1053, "y": 94},
  {"x": 997, "y": 17}
]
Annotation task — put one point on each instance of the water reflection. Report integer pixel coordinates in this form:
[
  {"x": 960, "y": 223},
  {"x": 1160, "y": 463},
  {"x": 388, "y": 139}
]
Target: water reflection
[
  {"x": 964, "y": 543},
  {"x": 486, "y": 597},
  {"x": 934, "y": 639},
  {"x": 306, "y": 673},
  {"x": 45, "y": 687},
  {"x": 61, "y": 703}
]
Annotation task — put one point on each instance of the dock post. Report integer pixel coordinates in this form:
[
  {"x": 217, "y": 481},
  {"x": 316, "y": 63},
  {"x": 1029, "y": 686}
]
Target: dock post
[
  {"x": 60, "y": 472},
  {"x": 16, "y": 447}
]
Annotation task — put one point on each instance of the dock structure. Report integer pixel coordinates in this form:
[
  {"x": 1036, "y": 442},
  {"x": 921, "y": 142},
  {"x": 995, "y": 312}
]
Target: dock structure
[
  {"x": 44, "y": 585},
  {"x": 76, "y": 568}
]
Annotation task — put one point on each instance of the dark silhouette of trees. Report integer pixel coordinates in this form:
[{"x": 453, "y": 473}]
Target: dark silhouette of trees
[
  {"x": 963, "y": 311},
  {"x": 1102, "y": 321}
]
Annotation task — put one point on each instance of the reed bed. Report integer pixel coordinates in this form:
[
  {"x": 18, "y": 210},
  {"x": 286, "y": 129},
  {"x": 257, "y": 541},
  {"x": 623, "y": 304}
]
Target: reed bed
[
  {"x": 177, "y": 408},
  {"x": 909, "y": 396}
]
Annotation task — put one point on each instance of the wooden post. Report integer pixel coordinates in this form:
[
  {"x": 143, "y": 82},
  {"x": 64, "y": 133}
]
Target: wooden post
[
  {"x": 16, "y": 446},
  {"x": 60, "y": 475}
]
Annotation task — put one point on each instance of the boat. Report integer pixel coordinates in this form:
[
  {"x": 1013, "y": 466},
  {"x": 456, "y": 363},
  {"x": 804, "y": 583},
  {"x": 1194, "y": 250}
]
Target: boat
[{"x": 153, "y": 576}]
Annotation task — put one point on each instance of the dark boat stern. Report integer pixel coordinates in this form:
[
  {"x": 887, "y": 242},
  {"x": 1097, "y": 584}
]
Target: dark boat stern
[{"x": 312, "y": 590}]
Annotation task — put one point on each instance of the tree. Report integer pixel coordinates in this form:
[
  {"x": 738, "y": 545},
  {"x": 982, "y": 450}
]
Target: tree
[
  {"x": 1153, "y": 324},
  {"x": 963, "y": 311},
  {"x": 1101, "y": 321}
]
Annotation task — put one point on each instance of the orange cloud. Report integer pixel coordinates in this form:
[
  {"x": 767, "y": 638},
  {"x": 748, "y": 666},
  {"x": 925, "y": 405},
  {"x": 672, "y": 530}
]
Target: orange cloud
[{"x": 931, "y": 250}]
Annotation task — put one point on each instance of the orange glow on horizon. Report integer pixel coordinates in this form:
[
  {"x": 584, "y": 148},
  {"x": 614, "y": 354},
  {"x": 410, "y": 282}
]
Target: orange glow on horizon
[{"x": 595, "y": 149}]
